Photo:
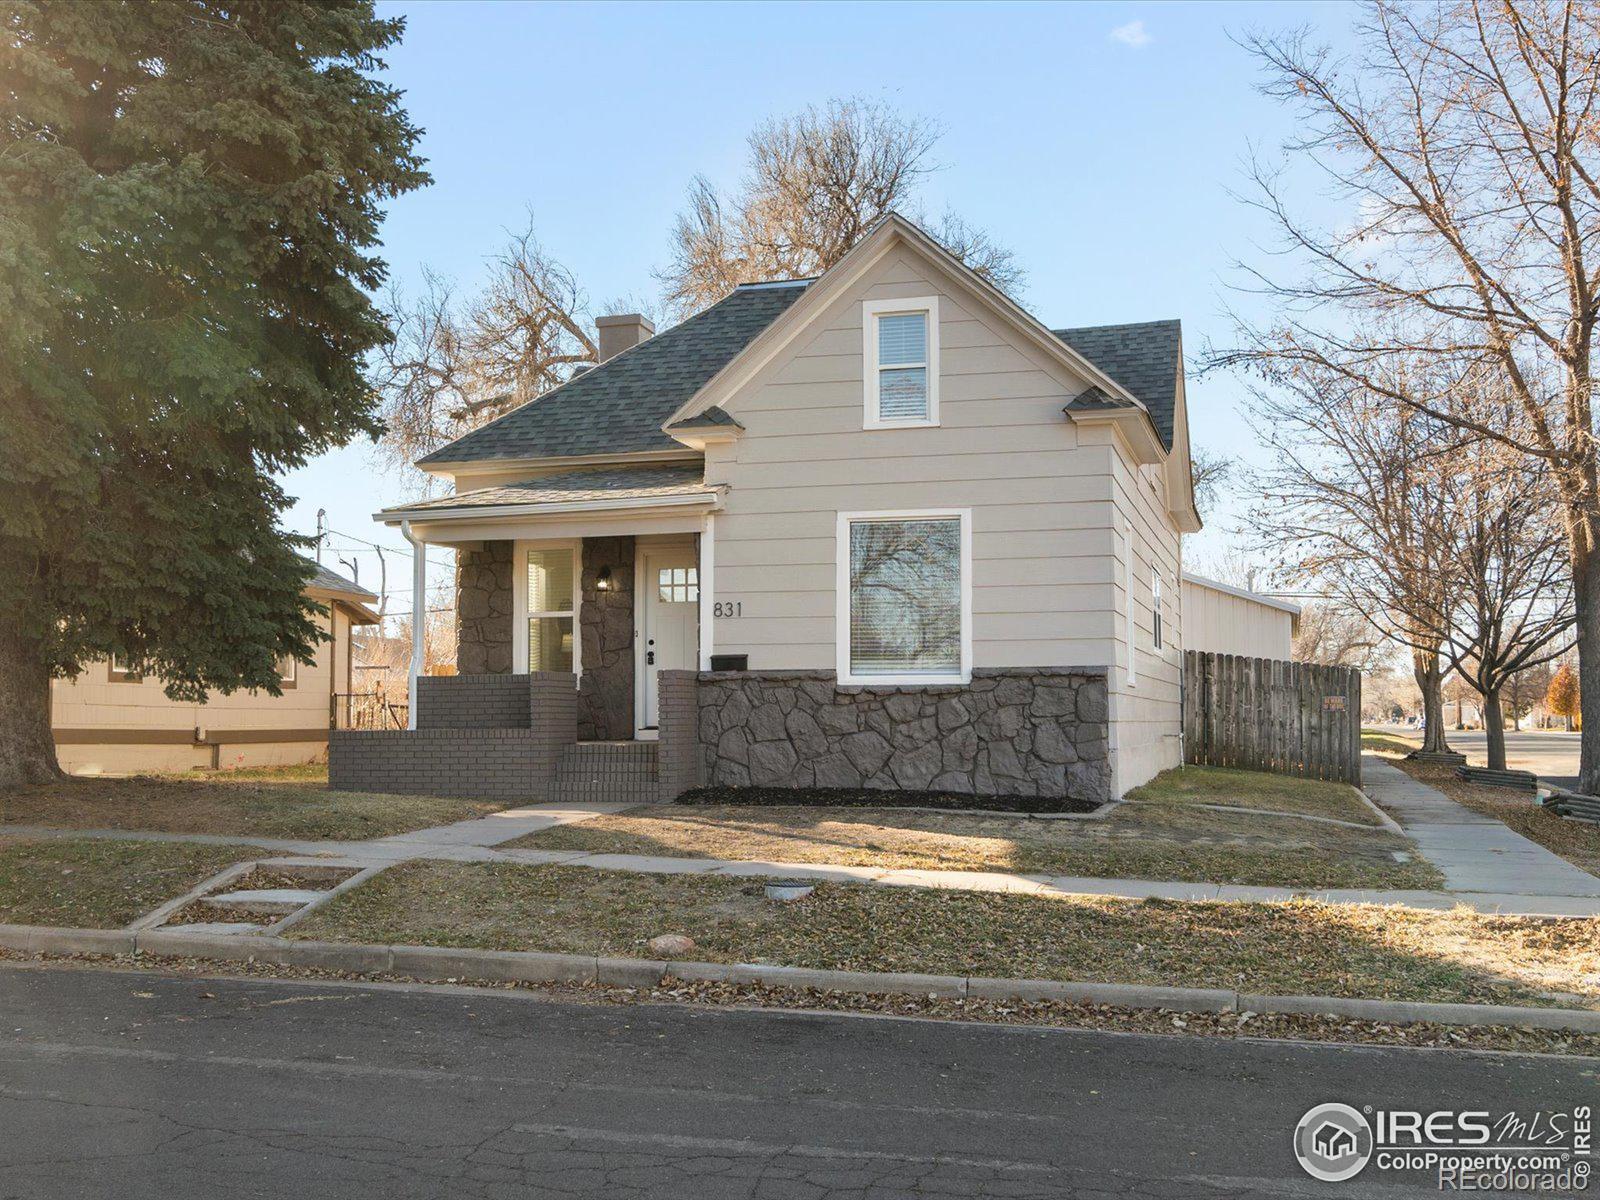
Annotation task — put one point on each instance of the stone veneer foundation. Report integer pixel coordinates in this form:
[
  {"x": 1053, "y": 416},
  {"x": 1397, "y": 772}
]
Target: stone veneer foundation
[{"x": 1027, "y": 731}]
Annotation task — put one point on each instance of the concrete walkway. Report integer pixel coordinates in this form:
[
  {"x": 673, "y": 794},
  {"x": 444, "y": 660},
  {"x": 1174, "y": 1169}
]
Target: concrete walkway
[{"x": 1478, "y": 854}]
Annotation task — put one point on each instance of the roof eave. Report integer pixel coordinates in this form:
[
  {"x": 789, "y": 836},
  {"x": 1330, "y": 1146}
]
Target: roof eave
[
  {"x": 1135, "y": 426},
  {"x": 698, "y": 439},
  {"x": 555, "y": 460},
  {"x": 493, "y": 512}
]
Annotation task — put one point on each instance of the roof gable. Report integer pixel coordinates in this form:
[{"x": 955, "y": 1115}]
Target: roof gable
[{"x": 620, "y": 406}]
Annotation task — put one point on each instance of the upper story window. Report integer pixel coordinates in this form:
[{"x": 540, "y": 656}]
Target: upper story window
[
  {"x": 118, "y": 671},
  {"x": 905, "y": 597},
  {"x": 288, "y": 671},
  {"x": 902, "y": 363}
]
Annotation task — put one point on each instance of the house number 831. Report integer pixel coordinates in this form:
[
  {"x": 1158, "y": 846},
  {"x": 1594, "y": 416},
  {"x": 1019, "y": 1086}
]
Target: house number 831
[{"x": 728, "y": 608}]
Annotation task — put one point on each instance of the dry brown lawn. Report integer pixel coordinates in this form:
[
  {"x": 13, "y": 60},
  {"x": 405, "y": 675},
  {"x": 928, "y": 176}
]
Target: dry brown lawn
[
  {"x": 1292, "y": 948},
  {"x": 1164, "y": 834},
  {"x": 100, "y": 884},
  {"x": 288, "y": 802}
]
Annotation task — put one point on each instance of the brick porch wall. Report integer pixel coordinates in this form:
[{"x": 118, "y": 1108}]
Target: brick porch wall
[
  {"x": 473, "y": 702},
  {"x": 678, "y": 756},
  {"x": 495, "y": 736}
]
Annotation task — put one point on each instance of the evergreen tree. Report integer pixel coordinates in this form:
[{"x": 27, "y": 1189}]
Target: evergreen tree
[{"x": 189, "y": 201}]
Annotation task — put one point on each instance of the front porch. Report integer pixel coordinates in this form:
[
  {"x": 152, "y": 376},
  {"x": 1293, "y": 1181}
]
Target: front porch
[{"x": 594, "y": 573}]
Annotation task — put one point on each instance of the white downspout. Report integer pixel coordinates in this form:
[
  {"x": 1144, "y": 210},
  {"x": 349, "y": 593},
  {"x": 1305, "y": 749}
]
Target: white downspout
[{"x": 419, "y": 615}]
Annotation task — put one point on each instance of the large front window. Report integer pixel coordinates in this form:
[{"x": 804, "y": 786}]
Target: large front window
[
  {"x": 904, "y": 605},
  {"x": 550, "y": 609}
]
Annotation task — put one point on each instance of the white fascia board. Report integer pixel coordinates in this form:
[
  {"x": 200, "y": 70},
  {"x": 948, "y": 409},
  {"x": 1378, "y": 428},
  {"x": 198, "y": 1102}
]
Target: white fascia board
[
  {"x": 1216, "y": 585},
  {"x": 490, "y": 512},
  {"x": 574, "y": 461}
]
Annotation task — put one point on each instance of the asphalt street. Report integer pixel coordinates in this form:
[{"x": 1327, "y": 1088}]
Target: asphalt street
[
  {"x": 131, "y": 1084},
  {"x": 1550, "y": 754}
]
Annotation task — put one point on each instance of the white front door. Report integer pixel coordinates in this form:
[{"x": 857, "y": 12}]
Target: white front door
[{"x": 669, "y": 587}]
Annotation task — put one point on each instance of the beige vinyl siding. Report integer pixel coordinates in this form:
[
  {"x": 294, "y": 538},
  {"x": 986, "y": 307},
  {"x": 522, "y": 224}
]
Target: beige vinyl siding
[
  {"x": 1147, "y": 712},
  {"x": 1041, "y": 501},
  {"x": 1224, "y": 623},
  {"x": 125, "y": 709}
]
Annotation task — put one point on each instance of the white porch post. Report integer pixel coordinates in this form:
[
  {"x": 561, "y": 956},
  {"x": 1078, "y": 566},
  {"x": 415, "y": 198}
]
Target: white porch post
[
  {"x": 419, "y": 615},
  {"x": 708, "y": 565}
]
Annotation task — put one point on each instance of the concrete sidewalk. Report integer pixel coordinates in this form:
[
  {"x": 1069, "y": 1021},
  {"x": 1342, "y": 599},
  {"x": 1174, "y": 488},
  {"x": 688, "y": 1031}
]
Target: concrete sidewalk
[{"x": 1478, "y": 854}]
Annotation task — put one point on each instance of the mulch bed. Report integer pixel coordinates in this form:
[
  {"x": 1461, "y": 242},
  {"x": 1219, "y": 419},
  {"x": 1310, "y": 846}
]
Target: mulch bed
[{"x": 869, "y": 798}]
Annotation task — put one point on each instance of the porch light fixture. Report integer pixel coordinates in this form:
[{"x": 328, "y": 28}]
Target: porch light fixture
[{"x": 602, "y": 581}]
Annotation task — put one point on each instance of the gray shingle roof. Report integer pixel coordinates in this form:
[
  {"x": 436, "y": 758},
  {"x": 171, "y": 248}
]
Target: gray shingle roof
[
  {"x": 1143, "y": 357},
  {"x": 331, "y": 581},
  {"x": 570, "y": 487},
  {"x": 618, "y": 407}
]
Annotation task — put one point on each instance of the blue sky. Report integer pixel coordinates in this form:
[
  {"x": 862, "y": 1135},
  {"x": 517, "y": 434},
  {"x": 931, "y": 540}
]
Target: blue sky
[{"x": 1099, "y": 142}]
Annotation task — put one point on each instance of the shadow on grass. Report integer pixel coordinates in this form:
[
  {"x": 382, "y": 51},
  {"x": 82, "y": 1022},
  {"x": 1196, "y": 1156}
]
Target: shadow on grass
[{"x": 1280, "y": 948}]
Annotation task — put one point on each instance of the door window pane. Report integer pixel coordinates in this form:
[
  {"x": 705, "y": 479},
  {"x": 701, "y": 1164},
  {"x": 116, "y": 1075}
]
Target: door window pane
[
  {"x": 905, "y": 597},
  {"x": 678, "y": 585},
  {"x": 550, "y": 644}
]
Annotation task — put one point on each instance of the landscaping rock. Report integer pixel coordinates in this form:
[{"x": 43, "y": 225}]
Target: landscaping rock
[{"x": 669, "y": 945}]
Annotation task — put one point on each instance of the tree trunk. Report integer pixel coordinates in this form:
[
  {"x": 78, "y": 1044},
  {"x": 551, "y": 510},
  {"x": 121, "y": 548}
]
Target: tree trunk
[
  {"x": 1494, "y": 726},
  {"x": 1586, "y": 580},
  {"x": 1430, "y": 679},
  {"x": 27, "y": 747}
]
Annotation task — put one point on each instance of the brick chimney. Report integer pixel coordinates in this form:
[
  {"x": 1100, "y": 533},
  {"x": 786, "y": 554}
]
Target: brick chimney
[{"x": 619, "y": 332}]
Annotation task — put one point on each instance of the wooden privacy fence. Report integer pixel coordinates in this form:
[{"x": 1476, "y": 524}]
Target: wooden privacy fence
[{"x": 1265, "y": 715}]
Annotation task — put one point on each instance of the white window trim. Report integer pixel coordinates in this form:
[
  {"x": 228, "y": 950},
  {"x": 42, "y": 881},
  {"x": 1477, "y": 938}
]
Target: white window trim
[
  {"x": 1157, "y": 632},
  {"x": 842, "y": 597},
  {"x": 871, "y": 310},
  {"x": 519, "y": 601},
  {"x": 1133, "y": 620}
]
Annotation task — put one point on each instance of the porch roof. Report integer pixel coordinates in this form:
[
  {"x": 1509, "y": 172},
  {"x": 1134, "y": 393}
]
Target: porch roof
[{"x": 591, "y": 489}]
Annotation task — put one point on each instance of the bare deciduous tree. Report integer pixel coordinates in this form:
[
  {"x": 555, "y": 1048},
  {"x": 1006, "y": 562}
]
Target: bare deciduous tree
[
  {"x": 1354, "y": 504},
  {"x": 1504, "y": 554},
  {"x": 1212, "y": 471},
  {"x": 455, "y": 365},
  {"x": 1464, "y": 141},
  {"x": 815, "y": 184},
  {"x": 1333, "y": 633}
]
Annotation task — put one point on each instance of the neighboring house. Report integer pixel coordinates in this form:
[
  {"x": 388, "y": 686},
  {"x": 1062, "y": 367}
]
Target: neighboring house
[
  {"x": 111, "y": 720},
  {"x": 1225, "y": 619},
  {"x": 880, "y": 529}
]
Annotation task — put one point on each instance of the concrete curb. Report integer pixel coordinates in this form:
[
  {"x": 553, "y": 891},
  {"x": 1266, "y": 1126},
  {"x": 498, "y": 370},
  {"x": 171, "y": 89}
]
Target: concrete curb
[{"x": 442, "y": 964}]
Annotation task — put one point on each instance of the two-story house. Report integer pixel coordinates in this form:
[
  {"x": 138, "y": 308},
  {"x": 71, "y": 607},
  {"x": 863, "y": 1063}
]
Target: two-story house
[{"x": 877, "y": 529}]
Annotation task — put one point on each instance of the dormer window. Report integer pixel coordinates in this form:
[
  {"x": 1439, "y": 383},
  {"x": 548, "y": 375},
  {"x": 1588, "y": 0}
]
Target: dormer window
[{"x": 902, "y": 363}]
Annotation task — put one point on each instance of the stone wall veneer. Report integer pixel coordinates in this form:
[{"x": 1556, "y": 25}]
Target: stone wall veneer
[
  {"x": 1027, "y": 731},
  {"x": 484, "y": 604},
  {"x": 605, "y": 619}
]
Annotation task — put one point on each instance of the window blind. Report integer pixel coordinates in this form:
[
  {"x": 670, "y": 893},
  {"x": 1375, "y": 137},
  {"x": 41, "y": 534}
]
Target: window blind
[
  {"x": 905, "y": 596},
  {"x": 902, "y": 366}
]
